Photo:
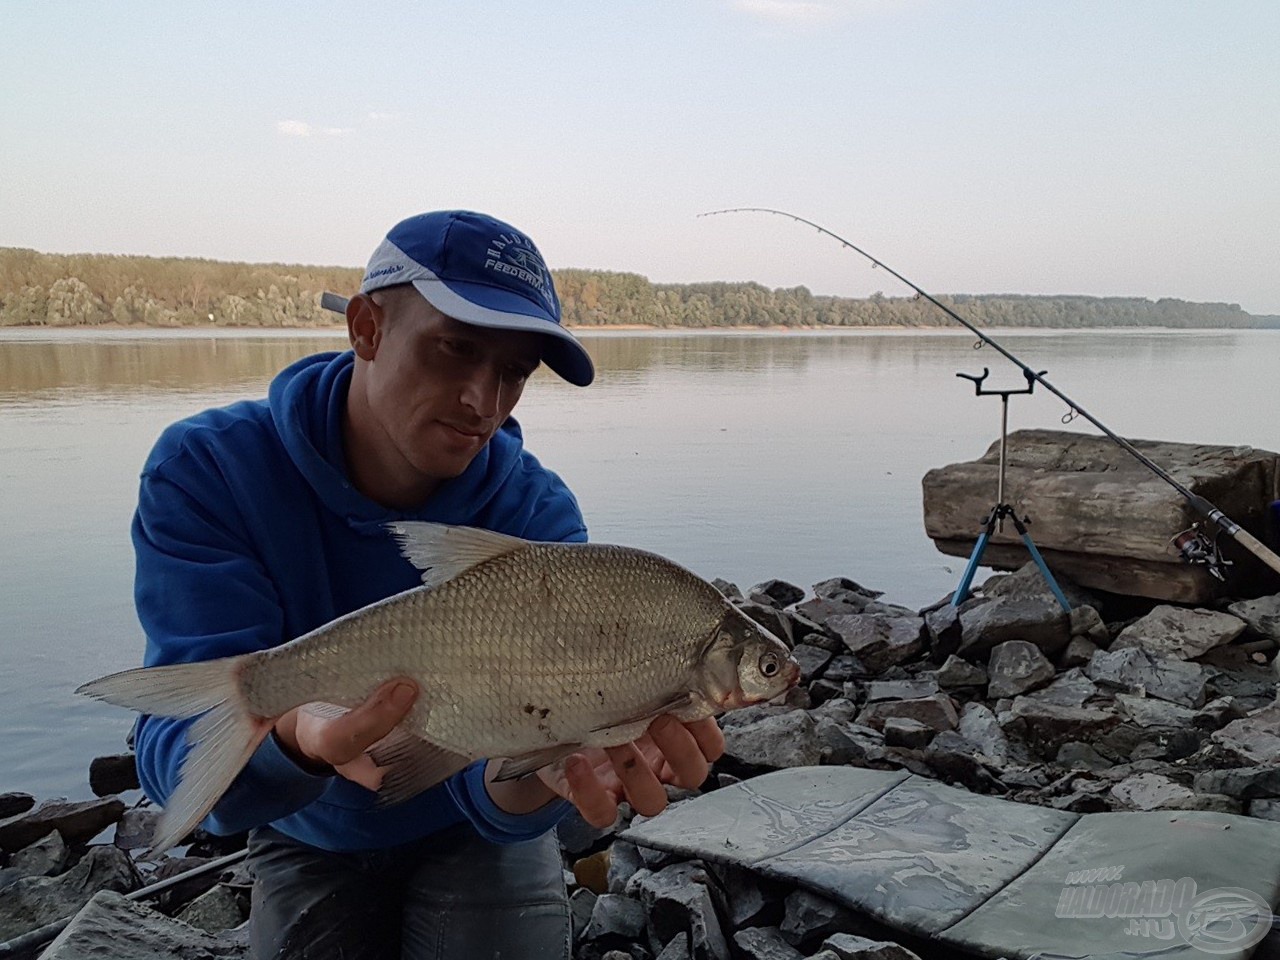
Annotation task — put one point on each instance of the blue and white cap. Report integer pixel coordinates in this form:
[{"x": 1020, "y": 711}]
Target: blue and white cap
[{"x": 481, "y": 271}]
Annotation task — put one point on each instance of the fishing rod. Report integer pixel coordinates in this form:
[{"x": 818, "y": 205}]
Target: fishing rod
[{"x": 1191, "y": 549}]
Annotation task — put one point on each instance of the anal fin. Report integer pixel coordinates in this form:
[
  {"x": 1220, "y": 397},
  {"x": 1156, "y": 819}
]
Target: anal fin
[{"x": 526, "y": 763}]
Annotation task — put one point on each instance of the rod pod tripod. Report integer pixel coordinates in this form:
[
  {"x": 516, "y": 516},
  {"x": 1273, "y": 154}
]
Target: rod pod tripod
[{"x": 995, "y": 519}]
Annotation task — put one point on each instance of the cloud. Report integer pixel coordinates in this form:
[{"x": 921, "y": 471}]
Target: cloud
[
  {"x": 297, "y": 128},
  {"x": 811, "y": 11}
]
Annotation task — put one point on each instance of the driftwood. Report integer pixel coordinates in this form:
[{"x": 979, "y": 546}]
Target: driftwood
[{"x": 1101, "y": 518}]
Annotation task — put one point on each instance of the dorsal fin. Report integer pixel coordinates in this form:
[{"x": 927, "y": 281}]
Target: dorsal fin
[{"x": 442, "y": 552}]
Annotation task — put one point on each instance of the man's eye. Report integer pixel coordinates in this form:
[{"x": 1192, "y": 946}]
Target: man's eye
[{"x": 459, "y": 348}]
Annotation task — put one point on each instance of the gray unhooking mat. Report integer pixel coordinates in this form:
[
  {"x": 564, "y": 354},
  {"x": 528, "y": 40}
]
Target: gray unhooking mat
[{"x": 990, "y": 876}]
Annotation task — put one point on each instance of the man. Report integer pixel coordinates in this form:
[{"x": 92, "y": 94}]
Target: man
[{"x": 261, "y": 521}]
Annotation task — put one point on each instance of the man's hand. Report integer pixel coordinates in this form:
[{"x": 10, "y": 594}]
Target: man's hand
[
  {"x": 326, "y": 745},
  {"x": 596, "y": 781}
]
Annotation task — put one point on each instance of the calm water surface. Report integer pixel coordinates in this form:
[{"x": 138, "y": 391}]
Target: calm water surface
[{"x": 744, "y": 456}]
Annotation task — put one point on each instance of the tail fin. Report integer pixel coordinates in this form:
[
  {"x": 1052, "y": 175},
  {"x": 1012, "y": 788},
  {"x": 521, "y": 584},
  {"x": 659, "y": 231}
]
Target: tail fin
[{"x": 222, "y": 740}]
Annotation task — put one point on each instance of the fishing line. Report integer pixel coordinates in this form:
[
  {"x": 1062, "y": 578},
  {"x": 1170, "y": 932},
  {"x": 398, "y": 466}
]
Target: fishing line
[{"x": 1199, "y": 504}]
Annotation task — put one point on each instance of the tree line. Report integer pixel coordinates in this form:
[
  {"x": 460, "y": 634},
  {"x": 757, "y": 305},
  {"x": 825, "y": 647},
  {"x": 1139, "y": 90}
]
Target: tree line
[{"x": 43, "y": 289}]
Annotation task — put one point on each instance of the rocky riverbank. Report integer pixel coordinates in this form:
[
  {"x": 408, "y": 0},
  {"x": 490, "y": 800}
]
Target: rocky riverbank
[{"x": 1121, "y": 705}]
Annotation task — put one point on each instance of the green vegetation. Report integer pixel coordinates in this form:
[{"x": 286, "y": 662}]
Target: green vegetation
[{"x": 90, "y": 289}]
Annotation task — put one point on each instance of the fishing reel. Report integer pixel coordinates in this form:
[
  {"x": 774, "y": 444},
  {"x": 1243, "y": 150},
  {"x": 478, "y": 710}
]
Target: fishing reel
[{"x": 1196, "y": 547}]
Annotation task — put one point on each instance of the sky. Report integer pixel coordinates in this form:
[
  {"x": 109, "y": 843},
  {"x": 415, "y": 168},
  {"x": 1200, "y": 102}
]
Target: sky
[{"x": 1118, "y": 148}]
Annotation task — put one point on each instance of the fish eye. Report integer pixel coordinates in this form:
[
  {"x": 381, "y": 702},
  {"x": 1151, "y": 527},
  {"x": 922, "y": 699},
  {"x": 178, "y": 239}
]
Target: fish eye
[{"x": 769, "y": 665}]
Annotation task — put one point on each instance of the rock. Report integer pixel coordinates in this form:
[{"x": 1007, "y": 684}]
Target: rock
[
  {"x": 1242, "y": 783},
  {"x": 615, "y": 917},
  {"x": 577, "y": 837},
  {"x": 1075, "y": 755},
  {"x": 765, "y": 943},
  {"x": 809, "y": 918},
  {"x": 787, "y": 740},
  {"x": 137, "y": 828},
  {"x": 1077, "y": 653},
  {"x": 956, "y": 673},
  {"x": 849, "y": 744},
  {"x": 183, "y": 891},
  {"x": 115, "y": 774},
  {"x": 1253, "y": 685},
  {"x": 1027, "y": 582},
  {"x": 1262, "y": 616},
  {"x": 46, "y": 857},
  {"x": 842, "y": 668},
  {"x": 677, "y": 949},
  {"x": 12, "y": 804},
  {"x": 901, "y": 689},
  {"x": 955, "y": 759},
  {"x": 1254, "y": 740},
  {"x": 772, "y": 619},
  {"x": 593, "y": 872},
  {"x": 1049, "y": 725},
  {"x": 978, "y": 724},
  {"x": 1086, "y": 623},
  {"x": 845, "y": 590},
  {"x": 988, "y": 622},
  {"x": 1136, "y": 670},
  {"x": 904, "y": 732},
  {"x": 678, "y": 900},
  {"x": 811, "y": 659},
  {"x": 746, "y": 902},
  {"x": 779, "y": 593},
  {"x": 847, "y": 946},
  {"x": 35, "y": 901},
  {"x": 1071, "y": 689},
  {"x": 215, "y": 910},
  {"x": 1149, "y": 791},
  {"x": 581, "y": 903},
  {"x": 1016, "y": 667},
  {"x": 1219, "y": 712},
  {"x": 945, "y": 632},
  {"x": 879, "y": 642},
  {"x": 114, "y": 928},
  {"x": 730, "y": 590},
  {"x": 824, "y": 691},
  {"x": 1178, "y": 632},
  {"x": 625, "y": 862},
  {"x": 78, "y": 822},
  {"x": 1148, "y": 712},
  {"x": 936, "y": 712},
  {"x": 1265, "y": 809}
]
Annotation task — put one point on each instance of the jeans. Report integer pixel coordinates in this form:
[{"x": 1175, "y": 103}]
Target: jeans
[{"x": 450, "y": 895}]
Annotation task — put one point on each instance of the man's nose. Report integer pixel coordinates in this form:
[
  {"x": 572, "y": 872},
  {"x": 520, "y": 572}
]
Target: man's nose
[{"x": 482, "y": 392}]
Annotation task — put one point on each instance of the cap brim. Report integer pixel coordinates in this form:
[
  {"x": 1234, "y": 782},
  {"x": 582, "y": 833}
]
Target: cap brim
[{"x": 486, "y": 306}]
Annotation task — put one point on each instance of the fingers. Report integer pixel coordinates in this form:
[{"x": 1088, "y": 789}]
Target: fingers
[
  {"x": 340, "y": 740},
  {"x": 586, "y": 791},
  {"x": 709, "y": 736},
  {"x": 682, "y": 751}
]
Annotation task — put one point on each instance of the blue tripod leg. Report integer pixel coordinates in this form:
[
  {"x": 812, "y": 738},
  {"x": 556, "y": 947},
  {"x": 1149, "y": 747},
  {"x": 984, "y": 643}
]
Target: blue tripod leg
[
  {"x": 1044, "y": 569},
  {"x": 962, "y": 591}
]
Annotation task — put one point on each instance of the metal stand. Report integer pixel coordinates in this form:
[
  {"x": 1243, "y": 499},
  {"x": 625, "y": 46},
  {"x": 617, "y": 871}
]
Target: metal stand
[{"x": 995, "y": 519}]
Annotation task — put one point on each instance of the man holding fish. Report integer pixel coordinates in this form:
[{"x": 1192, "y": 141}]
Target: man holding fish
[{"x": 371, "y": 614}]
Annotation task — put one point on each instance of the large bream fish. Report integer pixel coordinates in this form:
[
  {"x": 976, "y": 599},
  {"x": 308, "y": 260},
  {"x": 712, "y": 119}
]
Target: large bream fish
[{"x": 522, "y": 650}]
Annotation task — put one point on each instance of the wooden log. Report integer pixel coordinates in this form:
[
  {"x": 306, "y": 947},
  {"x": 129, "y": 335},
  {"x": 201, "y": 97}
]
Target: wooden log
[{"x": 1103, "y": 519}]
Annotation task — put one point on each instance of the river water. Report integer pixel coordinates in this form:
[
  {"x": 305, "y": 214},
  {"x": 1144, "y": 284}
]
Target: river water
[{"x": 746, "y": 456}]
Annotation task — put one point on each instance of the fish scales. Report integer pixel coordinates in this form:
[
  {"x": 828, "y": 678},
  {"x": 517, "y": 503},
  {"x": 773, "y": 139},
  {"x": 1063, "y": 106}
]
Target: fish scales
[{"x": 582, "y": 637}]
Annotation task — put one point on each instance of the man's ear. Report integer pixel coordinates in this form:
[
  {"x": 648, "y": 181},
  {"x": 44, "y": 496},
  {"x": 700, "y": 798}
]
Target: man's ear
[{"x": 364, "y": 325}]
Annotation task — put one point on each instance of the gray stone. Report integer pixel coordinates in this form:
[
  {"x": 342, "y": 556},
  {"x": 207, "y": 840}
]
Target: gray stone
[
  {"x": 1071, "y": 689},
  {"x": 677, "y": 949},
  {"x": 1265, "y": 809},
  {"x": 1217, "y": 713},
  {"x": 137, "y": 828},
  {"x": 112, "y": 927},
  {"x": 44, "y": 858},
  {"x": 1149, "y": 712},
  {"x": 746, "y": 903},
  {"x": 773, "y": 620},
  {"x": 955, "y": 759},
  {"x": 1086, "y": 625},
  {"x": 581, "y": 903},
  {"x": 1242, "y": 783},
  {"x": 811, "y": 659},
  {"x": 989, "y": 622},
  {"x": 616, "y": 917},
  {"x": 779, "y": 593},
  {"x": 576, "y": 836},
  {"x": 625, "y": 861},
  {"x": 1136, "y": 670},
  {"x": 978, "y": 724},
  {"x": 809, "y": 917},
  {"x": 879, "y": 642},
  {"x": 787, "y": 740},
  {"x": 215, "y": 910},
  {"x": 684, "y": 905},
  {"x": 113, "y": 774},
  {"x": 1027, "y": 582},
  {"x": 945, "y": 632},
  {"x": 842, "y": 668},
  {"x": 849, "y": 744},
  {"x": 35, "y": 901},
  {"x": 937, "y": 712},
  {"x": 1077, "y": 653},
  {"x": 1179, "y": 632},
  {"x": 13, "y": 803},
  {"x": 908, "y": 733},
  {"x": 1261, "y": 615},
  {"x": 78, "y": 822},
  {"x": 824, "y": 691},
  {"x": 1050, "y": 724},
  {"x": 1017, "y": 667},
  {"x": 1075, "y": 755},
  {"x": 956, "y": 673},
  {"x": 1253, "y": 685},
  {"x": 848, "y": 946},
  {"x": 845, "y": 590},
  {"x": 1149, "y": 791},
  {"x": 910, "y": 689},
  {"x": 729, "y": 589},
  {"x": 1253, "y": 740},
  {"x": 765, "y": 943}
]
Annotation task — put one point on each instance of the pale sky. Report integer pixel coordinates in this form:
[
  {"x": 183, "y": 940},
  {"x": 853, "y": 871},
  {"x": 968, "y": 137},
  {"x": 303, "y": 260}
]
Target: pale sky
[{"x": 1106, "y": 148}]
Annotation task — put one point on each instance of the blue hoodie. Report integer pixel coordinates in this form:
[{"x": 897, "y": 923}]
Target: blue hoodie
[{"x": 248, "y": 533}]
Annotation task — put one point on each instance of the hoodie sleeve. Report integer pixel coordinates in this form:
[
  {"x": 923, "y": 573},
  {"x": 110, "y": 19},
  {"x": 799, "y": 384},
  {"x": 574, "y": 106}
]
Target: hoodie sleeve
[{"x": 201, "y": 594}]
